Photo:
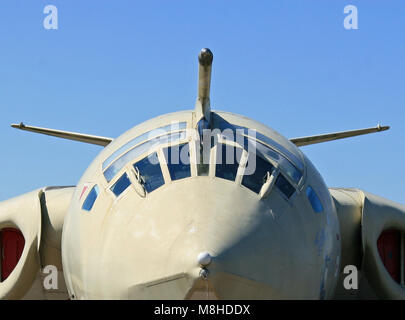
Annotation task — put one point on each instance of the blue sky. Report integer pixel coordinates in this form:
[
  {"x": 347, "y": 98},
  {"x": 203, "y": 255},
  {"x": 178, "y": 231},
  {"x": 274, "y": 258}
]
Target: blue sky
[{"x": 289, "y": 64}]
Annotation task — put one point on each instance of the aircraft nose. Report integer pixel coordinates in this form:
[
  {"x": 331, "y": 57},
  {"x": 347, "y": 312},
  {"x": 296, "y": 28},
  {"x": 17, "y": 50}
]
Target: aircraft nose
[
  {"x": 222, "y": 238},
  {"x": 209, "y": 235},
  {"x": 199, "y": 236}
]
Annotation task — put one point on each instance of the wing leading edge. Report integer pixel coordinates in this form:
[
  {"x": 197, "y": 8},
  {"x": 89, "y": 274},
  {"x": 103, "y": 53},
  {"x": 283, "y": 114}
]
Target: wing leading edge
[
  {"x": 101, "y": 141},
  {"x": 305, "y": 141}
]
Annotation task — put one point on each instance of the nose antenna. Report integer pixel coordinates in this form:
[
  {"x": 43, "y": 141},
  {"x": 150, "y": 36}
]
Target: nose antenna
[{"x": 202, "y": 106}]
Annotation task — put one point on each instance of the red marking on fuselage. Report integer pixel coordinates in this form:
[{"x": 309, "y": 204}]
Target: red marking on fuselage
[{"x": 84, "y": 190}]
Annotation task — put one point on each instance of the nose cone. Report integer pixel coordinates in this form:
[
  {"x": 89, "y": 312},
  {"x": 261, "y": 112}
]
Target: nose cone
[
  {"x": 205, "y": 237},
  {"x": 192, "y": 238}
]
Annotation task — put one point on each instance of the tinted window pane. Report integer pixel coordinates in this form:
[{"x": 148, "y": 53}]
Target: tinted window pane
[
  {"x": 314, "y": 200},
  {"x": 150, "y": 171},
  {"x": 91, "y": 198},
  {"x": 121, "y": 185},
  {"x": 227, "y": 164},
  {"x": 286, "y": 166},
  {"x": 256, "y": 180},
  {"x": 178, "y": 161},
  {"x": 284, "y": 186}
]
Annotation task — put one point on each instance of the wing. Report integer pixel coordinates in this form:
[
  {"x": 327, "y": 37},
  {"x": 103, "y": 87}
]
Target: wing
[
  {"x": 305, "y": 141},
  {"x": 101, "y": 141},
  {"x": 30, "y": 239},
  {"x": 372, "y": 230}
]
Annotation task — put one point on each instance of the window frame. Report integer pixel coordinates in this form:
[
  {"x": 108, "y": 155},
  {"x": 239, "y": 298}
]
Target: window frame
[
  {"x": 244, "y": 169},
  {"x": 220, "y": 139},
  {"x": 224, "y": 142},
  {"x": 119, "y": 176},
  {"x": 166, "y": 165},
  {"x": 193, "y": 144},
  {"x": 277, "y": 167},
  {"x": 115, "y": 155},
  {"x": 127, "y": 167},
  {"x": 147, "y": 152},
  {"x": 297, "y": 161},
  {"x": 95, "y": 187},
  {"x": 213, "y": 159},
  {"x": 162, "y": 162},
  {"x": 160, "y": 156}
]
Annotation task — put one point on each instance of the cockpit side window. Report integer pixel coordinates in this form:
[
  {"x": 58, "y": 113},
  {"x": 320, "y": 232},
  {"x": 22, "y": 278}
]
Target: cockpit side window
[
  {"x": 91, "y": 199},
  {"x": 314, "y": 200},
  {"x": 227, "y": 162},
  {"x": 121, "y": 185},
  {"x": 287, "y": 167},
  {"x": 284, "y": 186},
  {"x": 256, "y": 180},
  {"x": 178, "y": 161},
  {"x": 150, "y": 171}
]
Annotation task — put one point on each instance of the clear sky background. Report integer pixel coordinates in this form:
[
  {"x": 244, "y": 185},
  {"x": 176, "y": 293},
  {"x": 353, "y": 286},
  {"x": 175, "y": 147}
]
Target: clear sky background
[{"x": 289, "y": 64}]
